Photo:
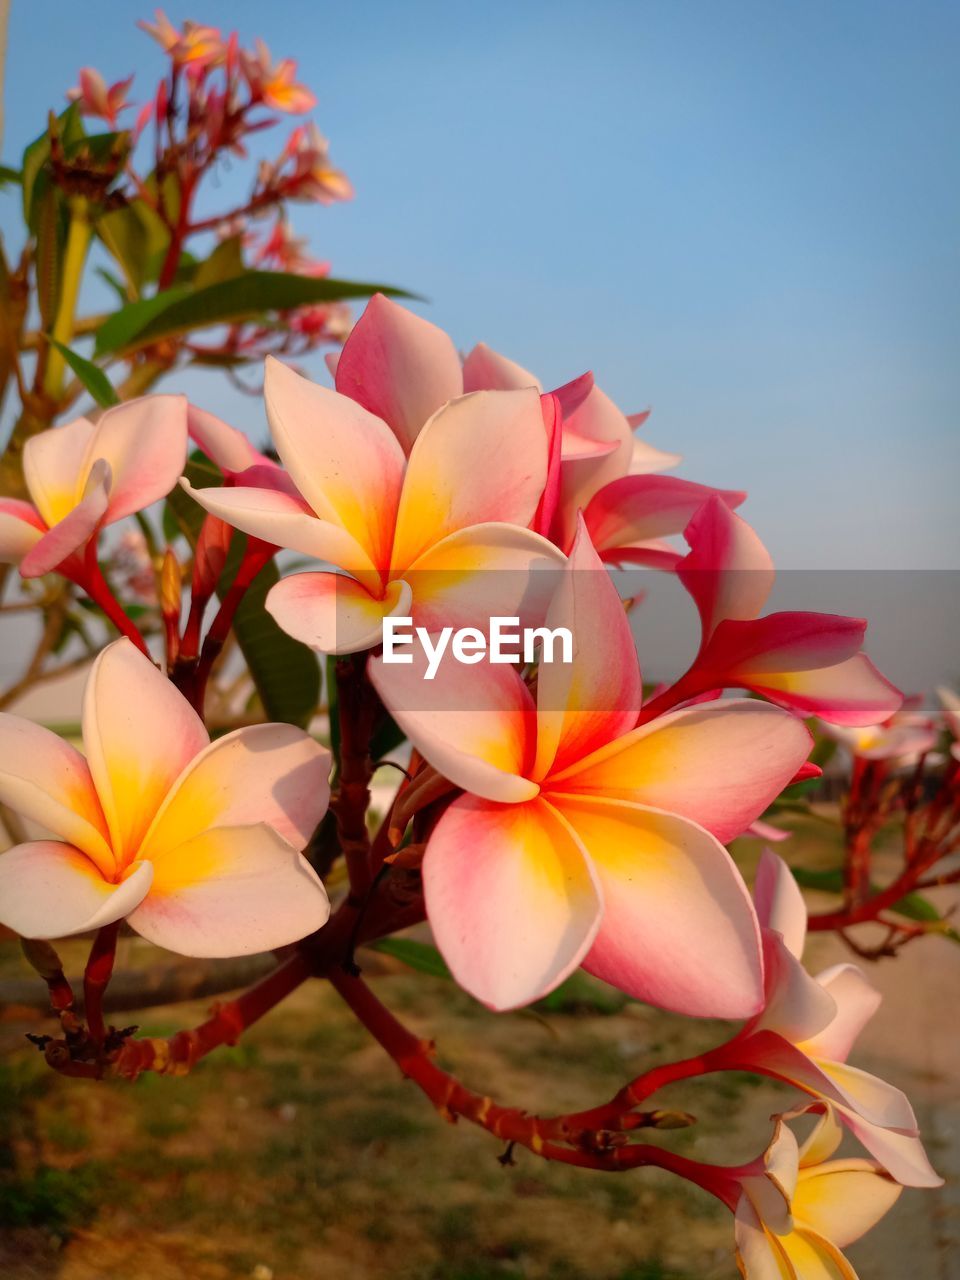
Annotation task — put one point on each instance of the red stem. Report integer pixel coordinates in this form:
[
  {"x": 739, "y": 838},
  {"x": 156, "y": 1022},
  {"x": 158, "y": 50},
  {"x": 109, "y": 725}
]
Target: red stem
[
  {"x": 97, "y": 588},
  {"x": 96, "y": 977}
]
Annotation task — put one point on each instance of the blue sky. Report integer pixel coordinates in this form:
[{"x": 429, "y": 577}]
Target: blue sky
[{"x": 744, "y": 214}]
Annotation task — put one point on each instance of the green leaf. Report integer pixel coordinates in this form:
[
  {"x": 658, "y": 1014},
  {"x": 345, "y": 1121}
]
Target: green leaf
[
  {"x": 182, "y": 310},
  {"x": 133, "y": 234},
  {"x": 94, "y": 379},
  {"x": 415, "y": 955},
  {"x": 9, "y": 176},
  {"x": 225, "y": 263},
  {"x": 582, "y": 994},
  {"x": 285, "y": 672},
  {"x": 119, "y": 329},
  {"x": 830, "y": 881}
]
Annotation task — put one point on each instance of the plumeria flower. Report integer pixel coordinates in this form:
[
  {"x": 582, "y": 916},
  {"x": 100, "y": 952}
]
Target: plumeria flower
[
  {"x": 312, "y": 176},
  {"x": 195, "y": 843},
  {"x": 96, "y": 99},
  {"x": 808, "y": 662},
  {"x": 403, "y": 368},
  {"x": 231, "y": 450},
  {"x": 440, "y": 536},
  {"x": 274, "y": 83},
  {"x": 195, "y": 46},
  {"x": 81, "y": 477},
  {"x": 798, "y": 1208},
  {"x": 583, "y": 840},
  {"x": 901, "y": 738},
  {"x": 808, "y": 1027}
]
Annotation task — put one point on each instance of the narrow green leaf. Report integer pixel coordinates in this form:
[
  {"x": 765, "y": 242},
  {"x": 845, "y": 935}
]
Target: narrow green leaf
[
  {"x": 9, "y": 176},
  {"x": 246, "y": 296},
  {"x": 415, "y": 955},
  {"x": 830, "y": 880},
  {"x": 285, "y": 672},
  {"x": 119, "y": 330},
  {"x": 94, "y": 379}
]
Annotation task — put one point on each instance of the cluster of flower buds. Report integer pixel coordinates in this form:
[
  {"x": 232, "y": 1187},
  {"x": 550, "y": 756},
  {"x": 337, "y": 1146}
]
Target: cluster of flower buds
[
  {"x": 214, "y": 97},
  {"x": 553, "y": 815}
]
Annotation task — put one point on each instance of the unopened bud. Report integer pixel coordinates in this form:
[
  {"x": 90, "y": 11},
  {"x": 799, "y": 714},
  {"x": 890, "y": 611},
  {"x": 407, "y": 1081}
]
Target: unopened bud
[
  {"x": 210, "y": 557},
  {"x": 171, "y": 585}
]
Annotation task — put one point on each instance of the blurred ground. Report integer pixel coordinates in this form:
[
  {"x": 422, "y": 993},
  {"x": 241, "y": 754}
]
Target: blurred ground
[{"x": 302, "y": 1154}]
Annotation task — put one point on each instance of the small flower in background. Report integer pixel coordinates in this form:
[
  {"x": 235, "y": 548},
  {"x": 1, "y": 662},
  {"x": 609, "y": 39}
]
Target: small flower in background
[
  {"x": 131, "y": 563},
  {"x": 96, "y": 99},
  {"x": 274, "y": 84},
  {"x": 799, "y": 1208},
  {"x": 901, "y": 738},
  {"x": 196, "y": 46},
  {"x": 195, "y": 843},
  {"x": 303, "y": 170}
]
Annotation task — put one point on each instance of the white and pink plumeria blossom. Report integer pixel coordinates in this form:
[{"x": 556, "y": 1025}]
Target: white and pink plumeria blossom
[
  {"x": 195, "y": 843},
  {"x": 82, "y": 476},
  {"x": 810, "y": 663},
  {"x": 799, "y": 1208},
  {"x": 441, "y": 536},
  {"x": 808, "y": 1027},
  {"x": 403, "y": 368},
  {"x": 583, "y": 840},
  {"x": 902, "y": 738}
]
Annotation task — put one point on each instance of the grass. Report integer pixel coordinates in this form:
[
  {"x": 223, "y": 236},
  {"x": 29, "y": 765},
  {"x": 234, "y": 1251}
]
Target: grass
[{"x": 302, "y": 1153}]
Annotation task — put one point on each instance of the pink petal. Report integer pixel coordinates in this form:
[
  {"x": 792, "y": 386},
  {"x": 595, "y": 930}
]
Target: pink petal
[
  {"x": 486, "y": 370},
  {"x": 583, "y": 705},
  {"x": 780, "y": 642},
  {"x": 485, "y": 571},
  {"x": 63, "y": 540},
  {"x": 481, "y": 458},
  {"x": 21, "y": 528},
  {"x": 52, "y": 890},
  {"x": 53, "y": 463},
  {"x": 47, "y": 781},
  {"x": 281, "y": 517},
  {"x": 873, "y": 1099},
  {"x": 399, "y": 366},
  {"x": 333, "y": 613},
  {"x": 145, "y": 443},
  {"x": 901, "y": 1154},
  {"x": 720, "y": 764},
  {"x": 637, "y": 508},
  {"x": 266, "y": 773},
  {"x": 678, "y": 927},
  {"x": 851, "y": 693},
  {"x": 728, "y": 571},
  {"x": 857, "y": 1000},
  {"x": 796, "y": 1005},
  {"x": 347, "y": 464},
  {"x": 780, "y": 904},
  {"x": 511, "y": 899},
  {"x": 474, "y": 724},
  {"x": 233, "y": 891},
  {"x": 229, "y": 448},
  {"x": 139, "y": 733}
]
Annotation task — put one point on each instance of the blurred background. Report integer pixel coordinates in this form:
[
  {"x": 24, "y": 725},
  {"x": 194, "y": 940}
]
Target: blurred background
[{"x": 743, "y": 215}]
